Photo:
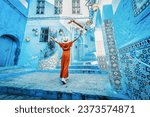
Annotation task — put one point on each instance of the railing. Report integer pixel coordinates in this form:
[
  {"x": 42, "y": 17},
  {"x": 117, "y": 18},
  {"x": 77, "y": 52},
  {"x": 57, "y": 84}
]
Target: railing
[{"x": 142, "y": 62}]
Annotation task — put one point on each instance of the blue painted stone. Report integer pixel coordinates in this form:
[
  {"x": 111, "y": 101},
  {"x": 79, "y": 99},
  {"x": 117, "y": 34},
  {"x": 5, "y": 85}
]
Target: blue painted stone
[{"x": 76, "y": 96}]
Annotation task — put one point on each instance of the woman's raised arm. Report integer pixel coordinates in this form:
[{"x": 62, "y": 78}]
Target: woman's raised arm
[{"x": 54, "y": 40}]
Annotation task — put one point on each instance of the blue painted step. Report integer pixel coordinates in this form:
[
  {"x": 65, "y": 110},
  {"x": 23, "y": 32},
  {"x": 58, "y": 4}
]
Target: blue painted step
[
  {"x": 6, "y": 73},
  {"x": 78, "y": 71},
  {"x": 80, "y": 67},
  {"x": 90, "y": 56},
  {"x": 51, "y": 95}
]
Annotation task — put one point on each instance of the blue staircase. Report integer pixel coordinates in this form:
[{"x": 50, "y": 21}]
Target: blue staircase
[
  {"x": 23, "y": 83},
  {"x": 80, "y": 69},
  {"x": 89, "y": 56}
]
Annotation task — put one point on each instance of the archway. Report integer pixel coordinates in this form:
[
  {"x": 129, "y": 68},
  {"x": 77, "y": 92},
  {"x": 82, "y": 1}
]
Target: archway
[{"x": 9, "y": 49}]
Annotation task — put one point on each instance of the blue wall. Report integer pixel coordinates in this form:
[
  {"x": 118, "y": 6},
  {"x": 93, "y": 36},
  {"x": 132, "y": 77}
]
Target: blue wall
[
  {"x": 110, "y": 47},
  {"x": 132, "y": 35},
  {"x": 107, "y": 12},
  {"x": 98, "y": 20},
  {"x": 129, "y": 28},
  {"x": 13, "y": 17},
  {"x": 31, "y": 55}
]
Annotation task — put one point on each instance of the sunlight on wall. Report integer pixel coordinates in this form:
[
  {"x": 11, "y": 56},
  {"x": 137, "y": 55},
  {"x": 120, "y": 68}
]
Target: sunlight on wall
[
  {"x": 115, "y": 4},
  {"x": 67, "y": 8},
  {"x": 99, "y": 43},
  {"x": 51, "y": 2},
  {"x": 25, "y": 3},
  {"x": 104, "y": 2}
]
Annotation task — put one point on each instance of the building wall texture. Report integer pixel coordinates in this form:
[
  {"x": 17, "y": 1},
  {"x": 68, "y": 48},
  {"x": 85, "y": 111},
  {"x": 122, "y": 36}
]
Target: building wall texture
[
  {"x": 31, "y": 54},
  {"x": 110, "y": 47},
  {"x": 132, "y": 34},
  {"x": 13, "y": 17}
]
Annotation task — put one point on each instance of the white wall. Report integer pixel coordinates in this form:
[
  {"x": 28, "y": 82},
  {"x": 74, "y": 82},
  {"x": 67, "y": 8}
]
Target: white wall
[
  {"x": 104, "y": 2},
  {"x": 67, "y": 9}
]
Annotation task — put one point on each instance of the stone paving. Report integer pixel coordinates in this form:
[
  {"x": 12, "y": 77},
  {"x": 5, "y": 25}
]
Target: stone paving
[
  {"x": 18, "y": 97},
  {"x": 85, "y": 84}
]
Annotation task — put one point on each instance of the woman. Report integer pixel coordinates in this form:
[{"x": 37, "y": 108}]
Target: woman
[{"x": 65, "y": 59}]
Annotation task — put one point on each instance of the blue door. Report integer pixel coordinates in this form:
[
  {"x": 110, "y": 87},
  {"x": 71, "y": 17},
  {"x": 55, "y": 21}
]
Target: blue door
[{"x": 7, "y": 51}]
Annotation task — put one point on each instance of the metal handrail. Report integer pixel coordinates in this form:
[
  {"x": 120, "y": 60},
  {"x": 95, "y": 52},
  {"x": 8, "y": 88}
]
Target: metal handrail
[{"x": 142, "y": 62}]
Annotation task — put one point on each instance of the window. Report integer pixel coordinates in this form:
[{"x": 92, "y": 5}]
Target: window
[
  {"x": 40, "y": 7},
  {"x": 75, "y": 6},
  {"x": 44, "y": 35},
  {"x": 58, "y": 6}
]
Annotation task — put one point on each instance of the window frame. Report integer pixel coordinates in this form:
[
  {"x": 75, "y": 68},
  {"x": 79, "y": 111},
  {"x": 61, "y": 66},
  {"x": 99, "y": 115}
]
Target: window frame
[
  {"x": 76, "y": 8},
  {"x": 58, "y": 7},
  {"x": 40, "y": 9},
  {"x": 43, "y": 34}
]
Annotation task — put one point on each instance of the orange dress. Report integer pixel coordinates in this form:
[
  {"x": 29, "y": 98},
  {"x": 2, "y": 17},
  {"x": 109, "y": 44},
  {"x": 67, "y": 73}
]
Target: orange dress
[{"x": 65, "y": 60}]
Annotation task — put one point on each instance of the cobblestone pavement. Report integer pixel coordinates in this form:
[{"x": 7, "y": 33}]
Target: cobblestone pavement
[{"x": 92, "y": 84}]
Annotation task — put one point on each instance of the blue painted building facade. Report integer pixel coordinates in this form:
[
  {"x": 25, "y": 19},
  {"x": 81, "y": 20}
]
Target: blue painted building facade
[
  {"x": 13, "y": 17},
  {"x": 110, "y": 47},
  {"x": 127, "y": 35},
  {"x": 34, "y": 50},
  {"x": 132, "y": 35}
]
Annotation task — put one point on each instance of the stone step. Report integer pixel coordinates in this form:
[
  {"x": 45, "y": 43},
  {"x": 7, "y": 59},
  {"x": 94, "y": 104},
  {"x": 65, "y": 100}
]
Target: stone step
[
  {"x": 15, "y": 70},
  {"x": 80, "y": 67},
  {"x": 77, "y": 71},
  {"x": 89, "y": 56},
  {"x": 15, "y": 73},
  {"x": 85, "y": 63},
  {"x": 13, "y": 93},
  {"x": 18, "y": 97},
  {"x": 88, "y": 59}
]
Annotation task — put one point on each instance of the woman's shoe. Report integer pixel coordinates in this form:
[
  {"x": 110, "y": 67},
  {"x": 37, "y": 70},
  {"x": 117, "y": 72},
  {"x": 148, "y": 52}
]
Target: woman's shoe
[{"x": 63, "y": 81}]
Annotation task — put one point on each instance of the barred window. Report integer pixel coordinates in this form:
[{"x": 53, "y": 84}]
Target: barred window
[
  {"x": 40, "y": 7},
  {"x": 44, "y": 34},
  {"x": 58, "y": 6},
  {"x": 75, "y": 6}
]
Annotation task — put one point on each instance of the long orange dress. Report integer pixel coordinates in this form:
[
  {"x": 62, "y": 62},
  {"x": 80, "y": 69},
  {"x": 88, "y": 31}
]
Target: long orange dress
[{"x": 65, "y": 60}]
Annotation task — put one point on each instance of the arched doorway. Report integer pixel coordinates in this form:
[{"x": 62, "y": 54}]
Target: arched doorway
[{"x": 9, "y": 50}]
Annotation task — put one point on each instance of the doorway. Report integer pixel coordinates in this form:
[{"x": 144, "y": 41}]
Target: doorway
[{"x": 8, "y": 47}]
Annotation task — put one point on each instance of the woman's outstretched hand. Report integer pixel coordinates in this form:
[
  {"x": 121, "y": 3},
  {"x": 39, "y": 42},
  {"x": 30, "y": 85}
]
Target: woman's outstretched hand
[{"x": 53, "y": 39}]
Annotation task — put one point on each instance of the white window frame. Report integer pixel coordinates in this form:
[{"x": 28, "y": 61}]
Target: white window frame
[
  {"x": 76, "y": 7},
  {"x": 58, "y": 7},
  {"x": 40, "y": 8}
]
